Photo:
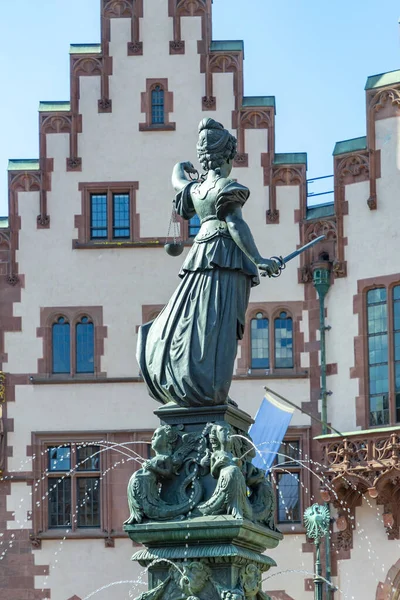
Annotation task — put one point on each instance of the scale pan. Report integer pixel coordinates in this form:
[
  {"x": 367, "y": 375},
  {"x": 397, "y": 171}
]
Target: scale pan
[{"x": 174, "y": 248}]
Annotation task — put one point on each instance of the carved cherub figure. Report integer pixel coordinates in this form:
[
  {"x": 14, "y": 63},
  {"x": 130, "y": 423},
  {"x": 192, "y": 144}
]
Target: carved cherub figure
[
  {"x": 143, "y": 489},
  {"x": 230, "y": 495}
]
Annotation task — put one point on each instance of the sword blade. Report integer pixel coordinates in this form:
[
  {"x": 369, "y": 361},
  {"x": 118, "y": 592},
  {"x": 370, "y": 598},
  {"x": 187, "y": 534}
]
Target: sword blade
[{"x": 289, "y": 257}]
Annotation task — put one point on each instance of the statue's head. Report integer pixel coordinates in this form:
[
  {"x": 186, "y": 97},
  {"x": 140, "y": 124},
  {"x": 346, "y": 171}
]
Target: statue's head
[
  {"x": 163, "y": 439},
  {"x": 221, "y": 436},
  {"x": 216, "y": 146}
]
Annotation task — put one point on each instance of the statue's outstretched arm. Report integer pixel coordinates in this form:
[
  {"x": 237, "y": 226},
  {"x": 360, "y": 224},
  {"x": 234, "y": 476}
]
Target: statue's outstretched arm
[
  {"x": 179, "y": 179},
  {"x": 241, "y": 235}
]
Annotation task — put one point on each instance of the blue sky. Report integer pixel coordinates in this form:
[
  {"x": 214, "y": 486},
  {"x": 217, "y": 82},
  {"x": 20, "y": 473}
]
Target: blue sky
[{"x": 313, "y": 55}]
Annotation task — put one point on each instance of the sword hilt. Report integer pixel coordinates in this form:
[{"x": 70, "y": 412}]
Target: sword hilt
[{"x": 281, "y": 266}]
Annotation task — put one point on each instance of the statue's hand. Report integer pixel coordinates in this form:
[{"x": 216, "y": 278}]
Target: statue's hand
[
  {"x": 188, "y": 167},
  {"x": 268, "y": 267}
]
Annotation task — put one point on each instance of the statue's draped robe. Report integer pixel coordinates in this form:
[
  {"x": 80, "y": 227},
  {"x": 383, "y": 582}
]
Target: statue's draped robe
[{"x": 187, "y": 353}]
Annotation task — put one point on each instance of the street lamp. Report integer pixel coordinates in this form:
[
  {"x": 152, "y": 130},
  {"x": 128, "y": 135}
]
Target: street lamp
[{"x": 317, "y": 522}]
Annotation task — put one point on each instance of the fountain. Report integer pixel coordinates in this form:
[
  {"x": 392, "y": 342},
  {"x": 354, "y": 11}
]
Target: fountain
[{"x": 203, "y": 512}]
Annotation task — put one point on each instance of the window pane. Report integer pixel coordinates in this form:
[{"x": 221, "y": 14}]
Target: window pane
[
  {"x": 288, "y": 497},
  {"x": 396, "y": 292},
  {"x": 59, "y": 502},
  {"x": 283, "y": 342},
  {"x": 85, "y": 346},
  {"x": 194, "y": 226},
  {"x": 377, "y": 318},
  {"x": 59, "y": 458},
  {"x": 61, "y": 346},
  {"x": 88, "y": 458},
  {"x": 378, "y": 379},
  {"x": 259, "y": 343},
  {"x": 379, "y": 410},
  {"x": 98, "y": 216},
  {"x": 157, "y": 106},
  {"x": 88, "y": 498},
  {"x": 378, "y": 349},
  {"x": 397, "y": 407},
  {"x": 121, "y": 216},
  {"x": 291, "y": 452},
  {"x": 396, "y": 311},
  {"x": 378, "y": 295}
]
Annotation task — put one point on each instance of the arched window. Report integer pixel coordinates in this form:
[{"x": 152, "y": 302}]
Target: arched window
[
  {"x": 157, "y": 106},
  {"x": 283, "y": 326},
  {"x": 61, "y": 346},
  {"x": 194, "y": 226},
  {"x": 259, "y": 342},
  {"x": 84, "y": 346}
]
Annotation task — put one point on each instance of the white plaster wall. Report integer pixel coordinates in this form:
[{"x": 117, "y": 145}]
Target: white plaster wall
[
  {"x": 293, "y": 567},
  {"x": 76, "y": 408},
  {"x": 373, "y": 240},
  {"x": 249, "y": 394},
  {"x": 82, "y": 567},
  {"x": 371, "y": 558}
]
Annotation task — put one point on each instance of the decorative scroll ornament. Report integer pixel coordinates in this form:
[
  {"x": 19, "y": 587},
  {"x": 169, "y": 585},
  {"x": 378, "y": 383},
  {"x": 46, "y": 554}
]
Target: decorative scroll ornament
[
  {"x": 326, "y": 228},
  {"x": 224, "y": 63},
  {"x": 255, "y": 119},
  {"x": 354, "y": 166},
  {"x": 177, "y": 470},
  {"x": 118, "y": 8},
  {"x": 135, "y": 48},
  {"x": 88, "y": 66},
  {"x": 57, "y": 124},
  {"x": 383, "y": 97},
  {"x": 287, "y": 176},
  {"x": 194, "y": 581},
  {"x": 209, "y": 102},
  {"x": 190, "y": 7}
]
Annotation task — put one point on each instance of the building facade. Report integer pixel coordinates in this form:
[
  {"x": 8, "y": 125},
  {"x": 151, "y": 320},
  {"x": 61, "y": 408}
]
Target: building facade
[{"x": 82, "y": 266}]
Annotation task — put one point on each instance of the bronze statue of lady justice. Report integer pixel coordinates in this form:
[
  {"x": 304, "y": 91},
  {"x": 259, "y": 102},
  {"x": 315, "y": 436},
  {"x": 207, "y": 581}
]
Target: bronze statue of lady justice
[{"x": 187, "y": 354}]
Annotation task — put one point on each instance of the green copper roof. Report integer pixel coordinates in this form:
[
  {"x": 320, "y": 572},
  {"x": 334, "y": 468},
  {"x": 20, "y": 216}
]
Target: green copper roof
[
  {"x": 291, "y": 158},
  {"x": 229, "y": 45},
  {"x": 352, "y": 145},
  {"x": 258, "y": 101},
  {"x": 3, "y": 222},
  {"x": 85, "y": 48},
  {"x": 377, "y": 81},
  {"x": 23, "y": 164},
  {"x": 320, "y": 211},
  {"x": 360, "y": 432},
  {"x": 54, "y": 106}
]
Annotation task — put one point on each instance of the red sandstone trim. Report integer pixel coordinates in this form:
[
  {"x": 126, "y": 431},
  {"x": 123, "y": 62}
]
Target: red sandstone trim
[
  {"x": 271, "y": 310},
  {"x": 73, "y": 314}
]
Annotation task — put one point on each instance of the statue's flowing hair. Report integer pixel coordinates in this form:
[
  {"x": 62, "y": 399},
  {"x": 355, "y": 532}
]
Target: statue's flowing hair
[
  {"x": 215, "y": 145},
  {"x": 172, "y": 436}
]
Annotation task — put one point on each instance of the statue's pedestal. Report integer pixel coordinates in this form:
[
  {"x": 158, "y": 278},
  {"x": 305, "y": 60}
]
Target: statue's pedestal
[
  {"x": 212, "y": 557},
  {"x": 226, "y": 545}
]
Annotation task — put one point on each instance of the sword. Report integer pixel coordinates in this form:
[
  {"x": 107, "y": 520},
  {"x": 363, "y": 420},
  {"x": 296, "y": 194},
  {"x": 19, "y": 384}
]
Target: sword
[{"x": 282, "y": 261}]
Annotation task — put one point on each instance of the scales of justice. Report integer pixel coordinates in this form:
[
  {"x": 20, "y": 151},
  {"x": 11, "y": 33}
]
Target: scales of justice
[{"x": 202, "y": 511}]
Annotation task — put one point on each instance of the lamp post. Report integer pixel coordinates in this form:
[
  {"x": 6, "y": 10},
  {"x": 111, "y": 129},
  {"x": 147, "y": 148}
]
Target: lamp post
[{"x": 317, "y": 519}]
